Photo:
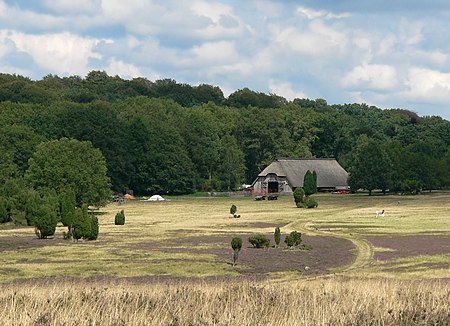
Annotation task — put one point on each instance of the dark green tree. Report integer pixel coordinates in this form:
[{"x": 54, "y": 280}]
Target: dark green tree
[
  {"x": 15, "y": 191},
  {"x": 371, "y": 169},
  {"x": 277, "y": 236},
  {"x": 33, "y": 204},
  {"x": 21, "y": 142},
  {"x": 236, "y": 245},
  {"x": 46, "y": 216},
  {"x": 314, "y": 181},
  {"x": 308, "y": 184},
  {"x": 69, "y": 163},
  {"x": 231, "y": 167},
  {"x": 8, "y": 169},
  {"x": 94, "y": 228}
]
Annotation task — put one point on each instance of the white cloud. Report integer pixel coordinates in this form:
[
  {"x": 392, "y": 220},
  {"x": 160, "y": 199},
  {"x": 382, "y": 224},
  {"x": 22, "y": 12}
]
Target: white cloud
[
  {"x": 216, "y": 51},
  {"x": 314, "y": 14},
  {"x": 410, "y": 33},
  {"x": 285, "y": 90},
  {"x": 429, "y": 85},
  {"x": 6, "y": 45},
  {"x": 375, "y": 77},
  {"x": 317, "y": 40},
  {"x": 122, "y": 69},
  {"x": 195, "y": 19},
  {"x": 61, "y": 53}
]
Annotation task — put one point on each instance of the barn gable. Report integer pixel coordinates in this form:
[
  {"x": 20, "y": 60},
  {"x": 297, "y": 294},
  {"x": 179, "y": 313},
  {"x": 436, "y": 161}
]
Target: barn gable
[{"x": 285, "y": 174}]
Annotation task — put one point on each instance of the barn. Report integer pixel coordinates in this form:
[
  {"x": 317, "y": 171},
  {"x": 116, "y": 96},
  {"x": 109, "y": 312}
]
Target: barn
[{"x": 283, "y": 175}]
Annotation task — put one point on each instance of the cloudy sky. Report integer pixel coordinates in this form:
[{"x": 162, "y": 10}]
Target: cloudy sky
[{"x": 388, "y": 53}]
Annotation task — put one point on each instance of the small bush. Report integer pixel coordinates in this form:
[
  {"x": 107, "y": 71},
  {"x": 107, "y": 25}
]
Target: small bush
[
  {"x": 259, "y": 241},
  {"x": 277, "y": 236},
  {"x": 233, "y": 211},
  {"x": 294, "y": 239},
  {"x": 299, "y": 195},
  {"x": 311, "y": 202},
  {"x": 120, "y": 218}
]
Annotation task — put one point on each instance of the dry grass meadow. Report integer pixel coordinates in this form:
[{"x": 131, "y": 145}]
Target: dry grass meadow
[{"x": 170, "y": 265}]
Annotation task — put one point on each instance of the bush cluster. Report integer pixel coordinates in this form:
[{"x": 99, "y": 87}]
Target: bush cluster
[
  {"x": 311, "y": 202},
  {"x": 303, "y": 201},
  {"x": 294, "y": 239},
  {"x": 259, "y": 241}
]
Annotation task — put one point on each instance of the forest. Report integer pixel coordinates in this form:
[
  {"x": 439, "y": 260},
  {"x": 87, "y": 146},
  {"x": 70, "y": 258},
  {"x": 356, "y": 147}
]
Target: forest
[{"x": 165, "y": 137}]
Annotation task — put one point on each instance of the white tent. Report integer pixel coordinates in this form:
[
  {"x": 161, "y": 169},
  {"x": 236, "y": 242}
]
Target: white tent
[{"x": 156, "y": 198}]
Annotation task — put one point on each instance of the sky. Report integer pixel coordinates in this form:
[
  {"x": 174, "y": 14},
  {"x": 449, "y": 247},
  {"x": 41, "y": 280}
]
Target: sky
[{"x": 387, "y": 53}]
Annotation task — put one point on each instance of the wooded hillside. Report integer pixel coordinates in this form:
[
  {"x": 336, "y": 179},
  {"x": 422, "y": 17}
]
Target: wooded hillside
[{"x": 166, "y": 137}]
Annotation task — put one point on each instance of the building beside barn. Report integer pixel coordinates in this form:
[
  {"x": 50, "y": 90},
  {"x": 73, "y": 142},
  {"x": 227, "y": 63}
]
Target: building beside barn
[{"x": 283, "y": 175}]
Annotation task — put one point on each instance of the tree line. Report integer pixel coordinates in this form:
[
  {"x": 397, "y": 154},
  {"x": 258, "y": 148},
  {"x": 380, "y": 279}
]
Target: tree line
[{"x": 165, "y": 137}]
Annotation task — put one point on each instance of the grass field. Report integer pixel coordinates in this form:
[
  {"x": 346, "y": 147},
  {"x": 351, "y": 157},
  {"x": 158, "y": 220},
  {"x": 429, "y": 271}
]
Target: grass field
[{"x": 402, "y": 260}]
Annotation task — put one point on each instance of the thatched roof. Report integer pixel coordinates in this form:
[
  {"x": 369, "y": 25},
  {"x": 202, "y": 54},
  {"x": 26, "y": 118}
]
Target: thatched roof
[{"x": 330, "y": 173}]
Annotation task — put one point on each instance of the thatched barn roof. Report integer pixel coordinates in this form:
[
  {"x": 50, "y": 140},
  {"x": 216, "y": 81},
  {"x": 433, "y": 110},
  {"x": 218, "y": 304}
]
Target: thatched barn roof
[{"x": 330, "y": 173}]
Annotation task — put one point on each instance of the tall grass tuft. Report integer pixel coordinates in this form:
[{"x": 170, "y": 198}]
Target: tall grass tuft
[{"x": 333, "y": 301}]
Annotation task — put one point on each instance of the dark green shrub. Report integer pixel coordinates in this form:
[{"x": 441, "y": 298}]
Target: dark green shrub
[
  {"x": 311, "y": 202},
  {"x": 45, "y": 221},
  {"x": 94, "y": 228},
  {"x": 120, "y": 218},
  {"x": 294, "y": 239},
  {"x": 81, "y": 223},
  {"x": 299, "y": 194},
  {"x": 259, "y": 241},
  {"x": 277, "y": 236}
]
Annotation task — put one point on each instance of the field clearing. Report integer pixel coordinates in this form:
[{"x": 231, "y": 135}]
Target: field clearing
[
  {"x": 189, "y": 237},
  {"x": 170, "y": 265}
]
